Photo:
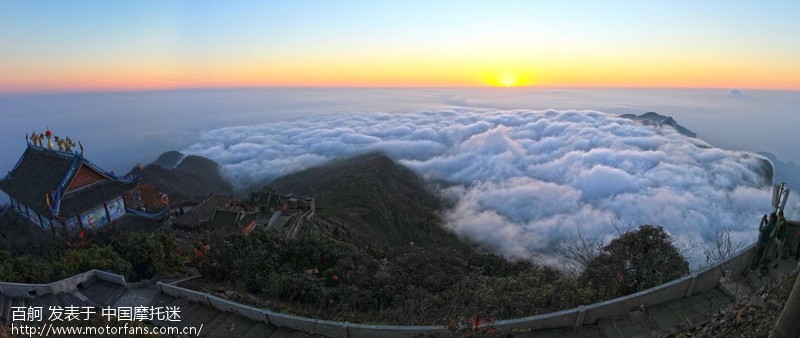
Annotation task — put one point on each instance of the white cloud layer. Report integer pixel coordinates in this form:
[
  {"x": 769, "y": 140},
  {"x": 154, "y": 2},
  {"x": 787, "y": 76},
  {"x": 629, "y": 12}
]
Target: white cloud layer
[{"x": 522, "y": 181}]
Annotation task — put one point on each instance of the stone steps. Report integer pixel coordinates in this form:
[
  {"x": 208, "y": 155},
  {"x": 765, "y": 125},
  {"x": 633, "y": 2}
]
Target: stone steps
[
  {"x": 98, "y": 293},
  {"x": 103, "y": 293},
  {"x": 655, "y": 321},
  {"x": 259, "y": 330},
  {"x": 45, "y": 303},
  {"x": 586, "y": 331},
  {"x": 216, "y": 323},
  {"x": 234, "y": 326},
  {"x": 287, "y": 333}
]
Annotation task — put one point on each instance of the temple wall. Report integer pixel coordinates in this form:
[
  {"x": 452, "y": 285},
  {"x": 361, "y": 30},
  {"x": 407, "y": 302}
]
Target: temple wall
[{"x": 85, "y": 176}]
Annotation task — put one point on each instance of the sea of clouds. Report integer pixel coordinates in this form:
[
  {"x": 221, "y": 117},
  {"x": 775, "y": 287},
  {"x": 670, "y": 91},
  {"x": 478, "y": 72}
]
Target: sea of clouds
[{"x": 522, "y": 181}]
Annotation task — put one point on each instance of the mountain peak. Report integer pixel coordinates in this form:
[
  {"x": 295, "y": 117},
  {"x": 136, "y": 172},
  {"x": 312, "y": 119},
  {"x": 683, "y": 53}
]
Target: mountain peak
[
  {"x": 653, "y": 118},
  {"x": 375, "y": 199},
  {"x": 191, "y": 177},
  {"x": 169, "y": 159}
]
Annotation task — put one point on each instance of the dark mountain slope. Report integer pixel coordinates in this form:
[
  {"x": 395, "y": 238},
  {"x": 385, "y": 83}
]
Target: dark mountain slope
[
  {"x": 169, "y": 160},
  {"x": 194, "y": 178},
  {"x": 788, "y": 172},
  {"x": 374, "y": 199}
]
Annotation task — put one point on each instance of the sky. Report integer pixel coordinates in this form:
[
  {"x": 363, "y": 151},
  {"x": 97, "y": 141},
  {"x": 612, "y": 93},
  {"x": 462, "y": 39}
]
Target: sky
[
  {"x": 59, "y": 46},
  {"x": 134, "y": 79}
]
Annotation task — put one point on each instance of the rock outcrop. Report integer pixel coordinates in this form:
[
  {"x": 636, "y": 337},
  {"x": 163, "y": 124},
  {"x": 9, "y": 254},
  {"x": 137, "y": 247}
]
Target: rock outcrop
[{"x": 652, "y": 118}]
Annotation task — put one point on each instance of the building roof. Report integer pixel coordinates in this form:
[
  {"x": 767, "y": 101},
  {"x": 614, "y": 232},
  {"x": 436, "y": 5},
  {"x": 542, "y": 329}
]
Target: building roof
[
  {"x": 41, "y": 171},
  {"x": 202, "y": 212},
  {"x": 247, "y": 218},
  {"x": 266, "y": 197},
  {"x": 232, "y": 221},
  {"x": 223, "y": 218},
  {"x": 76, "y": 202}
]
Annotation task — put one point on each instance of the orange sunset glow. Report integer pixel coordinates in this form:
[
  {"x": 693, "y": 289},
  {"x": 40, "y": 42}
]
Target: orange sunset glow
[{"x": 57, "y": 48}]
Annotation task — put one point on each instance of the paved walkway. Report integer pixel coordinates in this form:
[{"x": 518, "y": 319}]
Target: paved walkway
[
  {"x": 98, "y": 293},
  {"x": 680, "y": 314},
  {"x": 654, "y": 321}
]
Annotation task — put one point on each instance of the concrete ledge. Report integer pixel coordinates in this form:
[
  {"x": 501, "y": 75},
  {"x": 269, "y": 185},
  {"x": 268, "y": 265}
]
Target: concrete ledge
[
  {"x": 316, "y": 326},
  {"x": 390, "y": 331},
  {"x": 24, "y": 290},
  {"x": 741, "y": 262},
  {"x": 675, "y": 289},
  {"x": 70, "y": 283},
  {"x": 110, "y": 277},
  {"x": 65, "y": 285},
  {"x": 709, "y": 277},
  {"x": 191, "y": 295},
  {"x": 552, "y": 320},
  {"x": 250, "y": 312}
]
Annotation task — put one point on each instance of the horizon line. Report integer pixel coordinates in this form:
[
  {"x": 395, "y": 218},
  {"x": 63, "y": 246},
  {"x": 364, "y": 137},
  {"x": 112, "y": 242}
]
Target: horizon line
[{"x": 34, "y": 92}]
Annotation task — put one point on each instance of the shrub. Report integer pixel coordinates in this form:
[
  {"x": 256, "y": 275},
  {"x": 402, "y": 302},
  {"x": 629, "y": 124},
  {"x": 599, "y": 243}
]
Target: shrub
[
  {"x": 75, "y": 261},
  {"x": 634, "y": 261}
]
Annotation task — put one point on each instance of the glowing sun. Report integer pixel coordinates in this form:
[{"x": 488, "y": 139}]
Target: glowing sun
[{"x": 508, "y": 81}]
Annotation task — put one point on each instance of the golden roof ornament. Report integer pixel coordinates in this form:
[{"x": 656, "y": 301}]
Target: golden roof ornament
[
  {"x": 49, "y": 134},
  {"x": 68, "y": 144},
  {"x": 36, "y": 139},
  {"x": 64, "y": 144}
]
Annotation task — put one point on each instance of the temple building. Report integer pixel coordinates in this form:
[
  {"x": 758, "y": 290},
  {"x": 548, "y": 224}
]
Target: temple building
[
  {"x": 59, "y": 190},
  {"x": 267, "y": 200}
]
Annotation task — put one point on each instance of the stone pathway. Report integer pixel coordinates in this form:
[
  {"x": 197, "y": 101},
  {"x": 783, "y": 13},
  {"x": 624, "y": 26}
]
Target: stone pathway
[
  {"x": 654, "y": 321},
  {"x": 93, "y": 292},
  {"x": 680, "y": 314},
  {"x": 100, "y": 294}
]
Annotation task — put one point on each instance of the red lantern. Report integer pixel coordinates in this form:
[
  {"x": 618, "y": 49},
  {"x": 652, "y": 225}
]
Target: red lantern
[{"x": 48, "y": 133}]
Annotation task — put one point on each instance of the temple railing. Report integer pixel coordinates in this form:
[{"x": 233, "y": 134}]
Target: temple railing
[{"x": 160, "y": 215}]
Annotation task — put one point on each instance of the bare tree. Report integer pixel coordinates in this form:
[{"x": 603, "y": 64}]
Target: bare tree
[
  {"x": 580, "y": 250},
  {"x": 723, "y": 248},
  {"x": 622, "y": 225}
]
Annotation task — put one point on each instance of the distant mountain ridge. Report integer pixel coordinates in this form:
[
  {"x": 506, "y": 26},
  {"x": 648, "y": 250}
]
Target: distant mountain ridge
[
  {"x": 788, "y": 172},
  {"x": 653, "y": 118},
  {"x": 169, "y": 159},
  {"x": 186, "y": 177}
]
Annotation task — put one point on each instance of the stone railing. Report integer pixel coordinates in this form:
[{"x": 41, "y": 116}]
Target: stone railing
[
  {"x": 65, "y": 285},
  {"x": 686, "y": 286},
  {"x": 160, "y": 215},
  {"x": 700, "y": 281},
  {"x": 694, "y": 283}
]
